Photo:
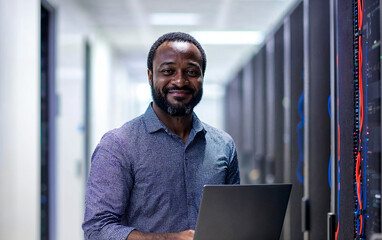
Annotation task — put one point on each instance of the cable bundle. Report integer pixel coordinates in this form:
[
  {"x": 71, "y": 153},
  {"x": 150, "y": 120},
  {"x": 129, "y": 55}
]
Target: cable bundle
[{"x": 359, "y": 123}]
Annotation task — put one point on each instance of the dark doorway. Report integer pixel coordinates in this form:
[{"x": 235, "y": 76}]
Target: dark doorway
[{"x": 48, "y": 110}]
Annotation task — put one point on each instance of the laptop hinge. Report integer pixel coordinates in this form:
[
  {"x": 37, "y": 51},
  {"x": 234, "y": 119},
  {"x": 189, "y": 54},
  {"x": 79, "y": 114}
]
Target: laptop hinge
[
  {"x": 305, "y": 214},
  {"x": 331, "y": 228}
]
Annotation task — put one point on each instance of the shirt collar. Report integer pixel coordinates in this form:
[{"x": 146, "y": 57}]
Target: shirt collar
[{"x": 153, "y": 123}]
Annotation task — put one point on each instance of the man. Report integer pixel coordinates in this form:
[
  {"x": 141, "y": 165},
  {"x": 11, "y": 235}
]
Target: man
[{"x": 146, "y": 177}]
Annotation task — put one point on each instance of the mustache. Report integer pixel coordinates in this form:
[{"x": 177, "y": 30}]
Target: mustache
[{"x": 174, "y": 88}]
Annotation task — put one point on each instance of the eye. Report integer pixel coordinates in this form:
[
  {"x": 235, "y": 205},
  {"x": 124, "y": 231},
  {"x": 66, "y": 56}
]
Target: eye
[
  {"x": 193, "y": 73},
  {"x": 167, "y": 71}
]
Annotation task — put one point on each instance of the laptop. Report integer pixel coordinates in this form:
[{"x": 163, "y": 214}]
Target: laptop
[{"x": 242, "y": 212}]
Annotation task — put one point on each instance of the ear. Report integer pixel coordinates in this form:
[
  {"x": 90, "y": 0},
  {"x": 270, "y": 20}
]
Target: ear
[{"x": 150, "y": 76}]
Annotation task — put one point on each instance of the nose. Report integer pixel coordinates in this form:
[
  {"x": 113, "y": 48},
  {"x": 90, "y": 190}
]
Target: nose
[{"x": 181, "y": 79}]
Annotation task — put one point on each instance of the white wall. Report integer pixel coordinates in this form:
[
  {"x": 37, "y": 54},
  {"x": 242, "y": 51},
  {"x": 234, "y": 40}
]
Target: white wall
[
  {"x": 100, "y": 99},
  {"x": 19, "y": 119},
  {"x": 74, "y": 27},
  {"x": 70, "y": 162},
  {"x": 120, "y": 88},
  {"x": 20, "y": 114}
]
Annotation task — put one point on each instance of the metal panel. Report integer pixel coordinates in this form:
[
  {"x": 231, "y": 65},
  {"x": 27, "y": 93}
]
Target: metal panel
[
  {"x": 248, "y": 106},
  {"x": 274, "y": 106},
  {"x": 279, "y": 106},
  {"x": 247, "y": 152},
  {"x": 345, "y": 120},
  {"x": 370, "y": 137},
  {"x": 317, "y": 123},
  {"x": 234, "y": 112},
  {"x": 294, "y": 62},
  {"x": 287, "y": 124},
  {"x": 260, "y": 117},
  {"x": 270, "y": 111},
  {"x": 332, "y": 220}
]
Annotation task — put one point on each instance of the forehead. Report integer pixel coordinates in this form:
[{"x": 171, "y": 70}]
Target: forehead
[{"x": 177, "y": 51}]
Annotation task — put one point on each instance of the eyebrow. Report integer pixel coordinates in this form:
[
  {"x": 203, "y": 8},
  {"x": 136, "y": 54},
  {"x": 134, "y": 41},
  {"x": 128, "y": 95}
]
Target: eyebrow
[
  {"x": 190, "y": 63},
  {"x": 194, "y": 64},
  {"x": 166, "y": 63}
]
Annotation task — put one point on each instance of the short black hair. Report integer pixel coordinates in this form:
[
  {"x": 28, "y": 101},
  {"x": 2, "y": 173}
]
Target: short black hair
[{"x": 175, "y": 37}]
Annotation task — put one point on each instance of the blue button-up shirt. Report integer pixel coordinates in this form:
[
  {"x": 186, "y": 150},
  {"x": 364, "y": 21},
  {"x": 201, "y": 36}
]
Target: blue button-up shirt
[{"x": 145, "y": 177}]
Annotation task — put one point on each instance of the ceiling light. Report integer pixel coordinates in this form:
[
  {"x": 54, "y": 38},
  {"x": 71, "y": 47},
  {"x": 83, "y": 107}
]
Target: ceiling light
[
  {"x": 229, "y": 37},
  {"x": 179, "y": 19}
]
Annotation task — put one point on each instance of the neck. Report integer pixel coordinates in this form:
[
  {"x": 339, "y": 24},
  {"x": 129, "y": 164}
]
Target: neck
[{"x": 180, "y": 125}]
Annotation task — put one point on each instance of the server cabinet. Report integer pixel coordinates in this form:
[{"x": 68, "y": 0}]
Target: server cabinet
[
  {"x": 247, "y": 150},
  {"x": 279, "y": 106},
  {"x": 260, "y": 119},
  {"x": 345, "y": 121},
  {"x": 359, "y": 120},
  {"x": 234, "y": 110},
  {"x": 316, "y": 203},
  {"x": 274, "y": 106},
  {"x": 294, "y": 121},
  {"x": 270, "y": 112},
  {"x": 369, "y": 174}
]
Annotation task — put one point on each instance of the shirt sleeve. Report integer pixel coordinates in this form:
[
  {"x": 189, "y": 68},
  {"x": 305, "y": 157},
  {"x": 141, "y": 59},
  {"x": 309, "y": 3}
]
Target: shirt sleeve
[
  {"x": 107, "y": 192},
  {"x": 233, "y": 176}
]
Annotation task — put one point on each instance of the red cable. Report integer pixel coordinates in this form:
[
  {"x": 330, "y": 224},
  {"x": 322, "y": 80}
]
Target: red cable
[
  {"x": 339, "y": 138},
  {"x": 358, "y": 162}
]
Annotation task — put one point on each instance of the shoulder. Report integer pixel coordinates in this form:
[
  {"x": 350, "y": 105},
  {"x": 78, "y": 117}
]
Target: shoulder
[
  {"x": 117, "y": 143},
  {"x": 220, "y": 143},
  {"x": 218, "y": 135},
  {"x": 128, "y": 131}
]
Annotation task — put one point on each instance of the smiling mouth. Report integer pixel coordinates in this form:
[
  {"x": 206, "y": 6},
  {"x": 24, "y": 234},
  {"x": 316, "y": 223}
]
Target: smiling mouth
[{"x": 179, "y": 93}]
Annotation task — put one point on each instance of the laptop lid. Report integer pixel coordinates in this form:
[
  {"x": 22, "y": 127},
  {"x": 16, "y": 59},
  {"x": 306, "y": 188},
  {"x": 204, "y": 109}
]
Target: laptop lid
[{"x": 241, "y": 212}]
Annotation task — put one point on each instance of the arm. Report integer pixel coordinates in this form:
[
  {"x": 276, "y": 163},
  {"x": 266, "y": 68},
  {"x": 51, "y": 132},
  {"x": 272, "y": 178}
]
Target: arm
[
  {"x": 185, "y": 235},
  {"x": 107, "y": 192},
  {"x": 233, "y": 175}
]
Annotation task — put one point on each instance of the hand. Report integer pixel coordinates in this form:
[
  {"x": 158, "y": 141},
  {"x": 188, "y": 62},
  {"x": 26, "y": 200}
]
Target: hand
[{"x": 184, "y": 235}]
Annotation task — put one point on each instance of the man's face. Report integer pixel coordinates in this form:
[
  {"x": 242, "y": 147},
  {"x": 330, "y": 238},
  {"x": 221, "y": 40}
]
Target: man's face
[{"x": 177, "y": 79}]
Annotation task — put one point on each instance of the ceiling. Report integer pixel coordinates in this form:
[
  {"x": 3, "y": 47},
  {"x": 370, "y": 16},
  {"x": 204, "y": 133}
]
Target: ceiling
[{"x": 129, "y": 27}]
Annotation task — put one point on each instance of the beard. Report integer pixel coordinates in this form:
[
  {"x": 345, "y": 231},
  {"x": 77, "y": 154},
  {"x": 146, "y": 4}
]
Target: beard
[{"x": 180, "y": 109}]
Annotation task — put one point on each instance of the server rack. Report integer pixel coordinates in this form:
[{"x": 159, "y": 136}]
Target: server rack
[
  {"x": 234, "y": 110},
  {"x": 247, "y": 155},
  {"x": 293, "y": 114},
  {"x": 370, "y": 139},
  {"x": 229, "y": 106},
  {"x": 345, "y": 121},
  {"x": 260, "y": 119},
  {"x": 359, "y": 120},
  {"x": 316, "y": 202},
  {"x": 342, "y": 159},
  {"x": 279, "y": 106},
  {"x": 274, "y": 108},
  {"x": 270, "y": 111}
]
